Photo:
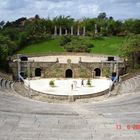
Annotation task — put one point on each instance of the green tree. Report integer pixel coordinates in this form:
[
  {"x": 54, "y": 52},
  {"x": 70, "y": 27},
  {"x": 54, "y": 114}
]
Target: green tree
[
  {"x": 102, "y": 15},
  {"x": 64, "y": 21},
  {"x": 7, "y": 48},
  {"x": 131, "y": 50},
  {"x": 132, "y": 26},
  {"x": 2, "y": 24}
]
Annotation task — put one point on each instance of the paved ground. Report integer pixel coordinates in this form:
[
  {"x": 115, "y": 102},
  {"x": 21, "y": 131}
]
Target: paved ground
[
  {"x": 63, "y": 86},
  {"x": 73, "y": 58},
  {"x": 112, "y": 119}
]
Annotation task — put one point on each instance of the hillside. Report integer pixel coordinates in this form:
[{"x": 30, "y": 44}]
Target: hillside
[{"x": 106, "y": 45}]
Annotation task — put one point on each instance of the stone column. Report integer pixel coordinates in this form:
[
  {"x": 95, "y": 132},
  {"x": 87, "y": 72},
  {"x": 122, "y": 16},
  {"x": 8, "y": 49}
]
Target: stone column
[
  {"x": 19, "y": 66},
  {"x": 96, "y": 31},
  {"x": 28, "y": 69},
  {"x": 71, "y": 30},
  {"x": 55, "y": 31},
  {"x": 84, "y": 31},
  {"x": 102, "y": 68},
  {"x": 66, "y": 32},
  {"x": 60, "y": 31},
  {"x": 78, "y": 30}
]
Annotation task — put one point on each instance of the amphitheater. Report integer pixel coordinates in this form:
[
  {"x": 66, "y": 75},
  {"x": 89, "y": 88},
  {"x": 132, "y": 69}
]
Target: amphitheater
[
  {"x": 115, "y": 116},
  {"x": 67, "y": 70}
]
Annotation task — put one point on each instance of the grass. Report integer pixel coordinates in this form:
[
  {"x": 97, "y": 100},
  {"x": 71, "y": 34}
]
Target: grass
[
  {"x": 43, "y": 47},
  {"x": 106, "y": 45}
]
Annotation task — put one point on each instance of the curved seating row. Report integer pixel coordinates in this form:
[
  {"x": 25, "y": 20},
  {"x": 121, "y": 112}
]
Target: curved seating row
[
  {"x": 130, "y": 85},
  {"x": 6, "y": 84}
]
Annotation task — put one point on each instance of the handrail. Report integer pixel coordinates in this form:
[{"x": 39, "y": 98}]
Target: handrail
[
  {"x": 26, "y": 84},
  {"x": 115, "y": 80}
]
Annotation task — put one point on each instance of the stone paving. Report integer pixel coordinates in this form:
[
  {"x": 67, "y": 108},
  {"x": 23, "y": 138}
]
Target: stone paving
[
  {"x": 73, "y": 58},
  {"x": 112, "y": 119},
  {"x": 63, "y": 86}
]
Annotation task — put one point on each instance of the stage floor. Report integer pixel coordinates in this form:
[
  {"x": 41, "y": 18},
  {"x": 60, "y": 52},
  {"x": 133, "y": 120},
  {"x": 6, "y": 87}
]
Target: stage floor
[{"x": 64, "y": 86}]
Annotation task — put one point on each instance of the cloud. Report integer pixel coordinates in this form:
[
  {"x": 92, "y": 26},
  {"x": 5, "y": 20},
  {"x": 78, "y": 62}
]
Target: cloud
[
  {"x": 119, "y": 9},
  {"x": 10, "y": 5},
  {"x": 88, "y": 10},
  {"x": 125, "y": 1}
]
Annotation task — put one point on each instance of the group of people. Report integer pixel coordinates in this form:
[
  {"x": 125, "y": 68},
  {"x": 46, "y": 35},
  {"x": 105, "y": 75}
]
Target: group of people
[{"x": 74, "y": 84}]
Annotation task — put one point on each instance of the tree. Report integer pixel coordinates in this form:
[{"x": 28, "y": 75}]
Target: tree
[
  {"x": 7, "y": 48},
  {"x": 37, "y": 16},
  {"x": 132, "y": 26},
  {"x": 102, "y": 16},
  {"x": 63, "y": 21},
  {"x": 131, "y": 50},
  {"x": 2, "y": 24}
]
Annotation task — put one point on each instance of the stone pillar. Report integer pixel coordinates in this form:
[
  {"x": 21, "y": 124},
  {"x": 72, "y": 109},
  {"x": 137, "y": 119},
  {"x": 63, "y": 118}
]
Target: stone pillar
[
  {"x": 66, "y": 32},
  {"x": 96, "y": 31},
  {"x": 60, "y": 31},
  {"x": 78, "y": 30},
  {"x": 28, "y": 69},
  {"x": 84, "y": 31},
  {"x": 71, "y": 30},
  {"x": 19, "y": 66},
  {"x": 115, "y": 68},
  {"x": 55, "y": 31},
  {"x": 102, "y": 68}
]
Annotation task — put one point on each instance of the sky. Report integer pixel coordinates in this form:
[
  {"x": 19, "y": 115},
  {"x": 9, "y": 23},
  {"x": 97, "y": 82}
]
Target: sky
[{"x": 11, "y": 10}]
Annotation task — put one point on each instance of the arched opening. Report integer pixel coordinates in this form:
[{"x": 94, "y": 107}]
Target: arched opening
[
  {"x": 38, "y": 72},
  {"x": 97, "y": 72},
  {"x": 68, "y": 73}
]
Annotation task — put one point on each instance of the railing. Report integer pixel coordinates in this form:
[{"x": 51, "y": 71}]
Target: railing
[
  {"x": 112, "y": 84},
  {"x": 26, "y": 85}
]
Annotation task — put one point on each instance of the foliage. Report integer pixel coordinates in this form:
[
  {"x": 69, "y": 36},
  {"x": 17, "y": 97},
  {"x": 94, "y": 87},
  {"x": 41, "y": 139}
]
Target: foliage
[
  {"x": 64, "y": 21},
  {"x": 25, "y": 32},
  {"x": 2, "y": 24},
  {"x": 7, "y": 48},
  {"x": 51, "y": 83},
  {"x": 89, "y": 82},
  {"x": 65, "y": 39},
  {"x": 77, "y": 44},
  {"x": 102, "y": 15},
  {"x": 102, "y": 45},
  {"x": 131, "y": 50},
  {"x": 132, "y": 26}
]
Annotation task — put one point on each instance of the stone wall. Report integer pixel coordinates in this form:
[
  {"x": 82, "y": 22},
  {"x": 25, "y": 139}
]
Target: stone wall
[{"x": 58, "y": 70}]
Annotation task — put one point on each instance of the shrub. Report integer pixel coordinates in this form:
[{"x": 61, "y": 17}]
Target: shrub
[
  {"x": 78, "y": 45},
  {"x": 64, "y": 40},
  {"x": 51, "y": 83},
  {"x": 89, "y": 82}
]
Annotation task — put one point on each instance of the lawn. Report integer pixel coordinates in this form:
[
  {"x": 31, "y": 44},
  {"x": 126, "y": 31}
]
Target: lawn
[
  {"x": 43, "y": 47},
  {"x": 106, "y": 45}
]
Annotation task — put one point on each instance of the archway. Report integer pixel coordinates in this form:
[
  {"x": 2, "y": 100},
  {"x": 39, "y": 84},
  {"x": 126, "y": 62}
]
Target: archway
[
  {"x": 68, "y": 73},
  {"x": 38, "y": 72},
  {"x": 97, "y": 72}
]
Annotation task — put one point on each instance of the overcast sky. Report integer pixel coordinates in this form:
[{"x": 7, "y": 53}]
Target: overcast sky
[{"x": 119, "y": 9}]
